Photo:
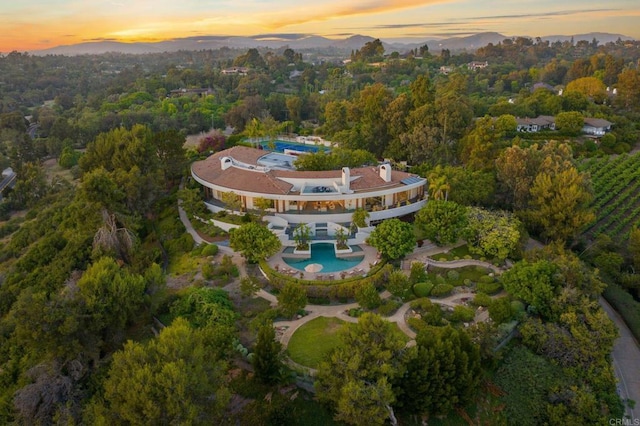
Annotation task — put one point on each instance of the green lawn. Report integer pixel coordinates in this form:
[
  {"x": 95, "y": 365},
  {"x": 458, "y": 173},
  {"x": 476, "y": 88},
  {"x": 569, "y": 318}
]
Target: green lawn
[
  {"x": 314, "y": 340},
  {"x": 460, "y": 252}
]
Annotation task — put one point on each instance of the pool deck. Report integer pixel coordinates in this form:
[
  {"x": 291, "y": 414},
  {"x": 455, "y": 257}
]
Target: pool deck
[{"x": 370, "y": 258}]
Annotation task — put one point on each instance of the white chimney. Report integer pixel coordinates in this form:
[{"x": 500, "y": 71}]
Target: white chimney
[
  {"x": 346, "y": 178},
  {"x": 226, "y": 162},
  {"x": 385, "y": 172}
]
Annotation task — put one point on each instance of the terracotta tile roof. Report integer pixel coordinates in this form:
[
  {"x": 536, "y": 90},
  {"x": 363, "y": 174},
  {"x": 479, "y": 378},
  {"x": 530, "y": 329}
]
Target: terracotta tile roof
[
  {"x": 244, "y": 154},
  {"x": 362, "y": 179},
  {"x": 369, "y": 178},
  {"x": 210, "y": 170}
]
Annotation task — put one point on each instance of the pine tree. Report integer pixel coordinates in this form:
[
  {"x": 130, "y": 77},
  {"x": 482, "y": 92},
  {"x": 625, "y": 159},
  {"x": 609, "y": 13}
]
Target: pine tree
[
  {"x": 442, "y": 373},
  {"x": 267, "y": 361}
]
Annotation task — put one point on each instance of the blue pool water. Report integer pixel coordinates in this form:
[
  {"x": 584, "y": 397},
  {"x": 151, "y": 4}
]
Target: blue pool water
[
  {"x": 282, "y": 145},
  {"x": 324, "y": 254}
]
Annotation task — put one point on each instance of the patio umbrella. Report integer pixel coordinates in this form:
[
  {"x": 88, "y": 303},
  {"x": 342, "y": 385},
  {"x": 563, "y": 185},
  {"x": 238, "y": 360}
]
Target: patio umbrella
[{"x": 313, "y": 267}]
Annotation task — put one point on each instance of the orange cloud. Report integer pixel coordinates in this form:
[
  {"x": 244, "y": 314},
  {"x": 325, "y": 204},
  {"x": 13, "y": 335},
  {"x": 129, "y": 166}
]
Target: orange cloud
[{"x": 337, "y": 10}]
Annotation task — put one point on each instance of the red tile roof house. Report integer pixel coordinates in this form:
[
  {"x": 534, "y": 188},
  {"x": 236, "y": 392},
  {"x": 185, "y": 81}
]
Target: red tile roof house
[{"x": 322, "y": 199}]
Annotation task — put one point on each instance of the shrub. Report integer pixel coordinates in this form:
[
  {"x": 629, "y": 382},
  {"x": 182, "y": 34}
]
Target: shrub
[
  {"x": 440, "y": 279},
  {"x": 430, "y": 312},
  {"x": 441, "y": 290},
  {"x": 486, "y": 279},
  {"x": 416, "y": 324},
  {"x": 398, "y": 284},
  {"x": 489, "y": 288},
  {"x": 388, "y": 307},
  {"x": 421, "y": 304},
  {"x": 318, "y": 300},
  {"x": 481, "y": 299},
  {"x": 179, "y": 245},
  {"x": 453, "y": 275},
  {"x": 517, "y": 307},
  {"x": 355, "y": 312},
  {"x": 208, "y": 271},
  {"x": 462, "y": 314},
  {"x": 209, "y": 250},
  {"x": 249, "y": 286},
  {"x": 500, "y": 310},
  {"x": 367, "y": 296},
  {"x": 417, "y": 274},
  {"x": 423, "y": 289}
]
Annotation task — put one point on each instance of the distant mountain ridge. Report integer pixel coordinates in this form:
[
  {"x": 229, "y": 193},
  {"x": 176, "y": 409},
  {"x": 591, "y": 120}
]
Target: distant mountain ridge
[{"x": 300, "y": 42}]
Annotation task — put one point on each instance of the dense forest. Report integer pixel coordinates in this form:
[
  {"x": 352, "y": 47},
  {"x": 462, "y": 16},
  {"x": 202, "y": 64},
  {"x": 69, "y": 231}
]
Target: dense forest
[{"x": 110, "y": 313}]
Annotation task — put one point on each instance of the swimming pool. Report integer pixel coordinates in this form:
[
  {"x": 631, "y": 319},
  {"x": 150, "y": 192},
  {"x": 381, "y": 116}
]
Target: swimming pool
[
  {"x": 282, "y": 145},
  {"x": 324, "y": 254}
]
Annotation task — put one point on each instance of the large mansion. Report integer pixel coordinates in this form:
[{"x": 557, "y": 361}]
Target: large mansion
[{"x": 260, "y": 178}]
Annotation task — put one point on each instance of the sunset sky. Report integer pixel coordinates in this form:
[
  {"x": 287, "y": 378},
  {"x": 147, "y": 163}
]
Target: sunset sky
[{"x": 40, "y": 24}]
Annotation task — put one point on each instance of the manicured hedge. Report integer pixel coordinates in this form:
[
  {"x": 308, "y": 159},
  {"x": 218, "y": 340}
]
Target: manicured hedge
[
  {"x": 481, "y": 299},
  {"x": 462, "y": 314},
  {"x": 333, "y": 289},
  {"x": 626, "y": 306},
  {"x": 422, "y": 289},
  {"x": 210, "y": 250},
  {"x": 489, "y": 288},
  {"x": 441, "y": 290}
]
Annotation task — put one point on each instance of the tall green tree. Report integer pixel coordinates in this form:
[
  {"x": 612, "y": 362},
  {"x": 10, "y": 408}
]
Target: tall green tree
[
  {"x": 356, "y": 376},
  {"x": 569, "y": 123},
  {"x": 442, "y": 372},
  {"x": 177, "y": 378},
  {"x": 170, "y": 152},
  {"x": 480, "y": 145},
  {"x": 442, "y": 221},
  {"x": 463, "y": 185},
  {"x": 393, "y": 238},
  {"x": 267, "y": 355},
  {"x": 559, "y": 206},
  {"x": 536, "y": 284},
  {"x": 291, "y": 299},
  {"x": 496, "y": 234},
  {"x": 256, "y": 242},
  {"x": 112, "y": 295}
]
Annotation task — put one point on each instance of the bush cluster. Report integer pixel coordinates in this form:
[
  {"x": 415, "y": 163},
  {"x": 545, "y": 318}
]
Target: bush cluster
[{"x": 441, "y": 290}]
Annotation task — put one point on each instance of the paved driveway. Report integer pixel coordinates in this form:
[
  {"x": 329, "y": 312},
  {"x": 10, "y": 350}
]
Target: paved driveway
[{"x": 626, "y": 362}]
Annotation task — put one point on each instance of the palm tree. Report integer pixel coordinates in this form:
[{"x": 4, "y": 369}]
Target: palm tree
[{"x": 439, "y": 187}]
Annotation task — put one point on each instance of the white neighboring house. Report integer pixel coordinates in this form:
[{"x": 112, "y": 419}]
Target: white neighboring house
[
  {"x": 596, "y": 126},
  {"x": 235, "y": 70},
  {"x": 477, "y": 65},
  {"x": 592, "y": 126},
  {"x": 311, "y": 197},
  {"x": 532, "y": 125}
]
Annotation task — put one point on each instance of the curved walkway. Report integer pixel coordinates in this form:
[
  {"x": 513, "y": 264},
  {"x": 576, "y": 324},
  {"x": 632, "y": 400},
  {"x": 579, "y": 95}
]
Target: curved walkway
[
  {"x": 286, "y": 329},
  {"x": 625, "y": 354}
]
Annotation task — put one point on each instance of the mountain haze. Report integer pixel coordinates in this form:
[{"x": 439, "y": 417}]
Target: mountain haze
[{"x": 300, "y": 42}]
